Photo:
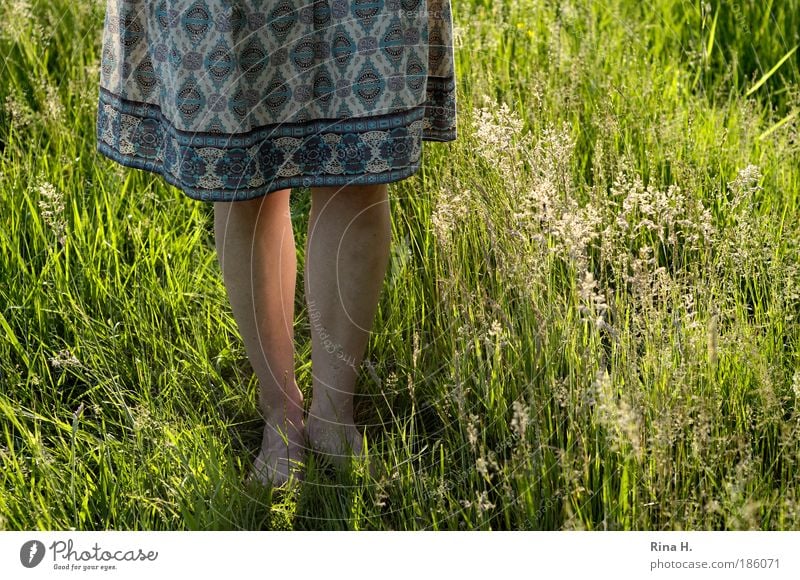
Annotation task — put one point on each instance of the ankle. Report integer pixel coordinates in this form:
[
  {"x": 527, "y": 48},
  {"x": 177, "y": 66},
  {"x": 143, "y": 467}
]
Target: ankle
[
  {"x": 284, "y": 436},
  {"x": 331, "y": 415},
  {"x": 283, "y": 411},
  {"x": 284, "y": 419}
]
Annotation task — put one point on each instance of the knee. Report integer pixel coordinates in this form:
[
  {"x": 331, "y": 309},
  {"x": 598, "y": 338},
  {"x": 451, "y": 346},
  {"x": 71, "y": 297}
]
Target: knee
[
  {"x": 358, "y": 197},
  {"x": 250, "y": 208},
  {"x": 370, "y": 192}
]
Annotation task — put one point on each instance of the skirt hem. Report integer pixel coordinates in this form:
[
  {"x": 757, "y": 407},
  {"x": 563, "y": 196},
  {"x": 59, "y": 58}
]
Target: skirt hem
[
  {"x": 217, "y": 166},
  {"x": 244, "y": 194}
]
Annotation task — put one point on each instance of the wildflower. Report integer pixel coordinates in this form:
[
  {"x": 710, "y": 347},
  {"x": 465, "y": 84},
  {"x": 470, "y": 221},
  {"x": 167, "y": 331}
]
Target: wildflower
[
  {"x": 449, "y": 212},
  {"x": 64, "y": 358},
  {"x": 495, "y": 332},
  {"x": 713, "y": 338},
  {"x": 391, "y": 382},
  {"x": 592, "y": 300},
  {"x": 380, "y": 499},
  {"x": 53, "y": 108},
  {"x": 17, "y": 19},
  {"x": 458, "y": 36},
  {"x": 618, "y": 416},
  {"x": 499, "y": 131},
  {"x": 552, "y": 155},
  {"x": 51, "y": 203},
  {"x": 482, "y": 502},
  {"x": 141, "y": 418},
  {"x": 414, "y": 357},
  {"x": 21, "y": 113},
  {"x": 519, "y": 421},
  {"x": 472, "y": 431},
  {"x": 575, "y": 228},
  {"x": 561, "y": 392},
  {"x": 495, "y": 338},
  {"x": 482, "y": 467},
  {"x": 745, "y": 184}
]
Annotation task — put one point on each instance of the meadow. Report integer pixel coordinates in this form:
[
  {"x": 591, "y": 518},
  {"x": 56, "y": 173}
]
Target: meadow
[{"x": 591, "y": 318}]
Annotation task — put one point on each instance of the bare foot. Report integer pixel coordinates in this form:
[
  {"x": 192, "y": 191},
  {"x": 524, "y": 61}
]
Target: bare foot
[
  {"x": 282, "y": 456},
  {"x": 337, "y": 440}
]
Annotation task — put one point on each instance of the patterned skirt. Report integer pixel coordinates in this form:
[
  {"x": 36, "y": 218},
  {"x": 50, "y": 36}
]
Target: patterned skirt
[{"x": 233, "y": 99}]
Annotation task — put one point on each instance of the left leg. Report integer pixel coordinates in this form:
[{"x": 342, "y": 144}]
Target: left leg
[{"x": 347, "y": 253}]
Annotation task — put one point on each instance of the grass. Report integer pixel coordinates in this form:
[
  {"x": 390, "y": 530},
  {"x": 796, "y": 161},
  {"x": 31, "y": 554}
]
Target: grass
[{"x": 590, "y": 320}]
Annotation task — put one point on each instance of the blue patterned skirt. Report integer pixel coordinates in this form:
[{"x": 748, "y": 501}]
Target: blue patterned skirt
[{"x": 233, "y": 99}]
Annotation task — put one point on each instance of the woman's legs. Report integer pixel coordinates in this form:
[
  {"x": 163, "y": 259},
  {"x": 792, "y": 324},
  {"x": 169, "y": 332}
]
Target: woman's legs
[
  {"x": 256, "y": 251},
  {"x": 347, "y": 253}
]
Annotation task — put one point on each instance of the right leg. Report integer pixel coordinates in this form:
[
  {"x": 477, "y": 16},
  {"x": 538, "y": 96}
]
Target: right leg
[{"x": 257, "y": 255}]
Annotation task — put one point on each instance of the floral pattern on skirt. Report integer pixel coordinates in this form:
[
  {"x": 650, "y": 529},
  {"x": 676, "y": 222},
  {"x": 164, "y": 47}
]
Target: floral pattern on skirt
[{"x": 233, "y": 99}]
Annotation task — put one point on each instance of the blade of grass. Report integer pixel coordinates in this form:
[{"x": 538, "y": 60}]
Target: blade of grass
[
  {"x": 12, "y": 338},
  {"x": 765, "y": 20},
  {"x": 777, "y": 125},
  {"x": 771, "y": 72},
  {"x": 712, "y": 33}
]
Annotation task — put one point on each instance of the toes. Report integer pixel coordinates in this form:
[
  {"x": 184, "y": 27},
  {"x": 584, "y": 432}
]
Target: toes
[
  {"x": 278, "y": 476},
  {"x": 277, "y": 467},
  {"x": 337, "y": 443}
]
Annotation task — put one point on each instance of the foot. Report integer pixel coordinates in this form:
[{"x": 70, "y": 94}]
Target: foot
[
  {"x": 282, "y": 456},
  {"x": 337, "y": 440}
]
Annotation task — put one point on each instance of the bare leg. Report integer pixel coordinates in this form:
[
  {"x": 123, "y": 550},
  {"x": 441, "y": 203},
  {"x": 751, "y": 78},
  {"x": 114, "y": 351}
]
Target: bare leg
[
  {"x": 257, "y": 255},
  {"x": 347, "y": 253}
]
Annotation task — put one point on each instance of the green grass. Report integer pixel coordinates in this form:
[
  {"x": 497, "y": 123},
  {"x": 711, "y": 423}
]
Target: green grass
[{"x": 590, "y": 320}]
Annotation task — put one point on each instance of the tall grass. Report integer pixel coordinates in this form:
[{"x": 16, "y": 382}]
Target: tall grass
[{"x": 590, "y": 319}]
